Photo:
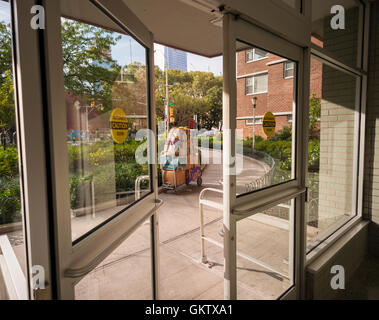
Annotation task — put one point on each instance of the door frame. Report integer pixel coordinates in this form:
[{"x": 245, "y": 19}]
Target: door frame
[
  {"x": 73, "y": 262},
  {"x": 236, "y": 29}
]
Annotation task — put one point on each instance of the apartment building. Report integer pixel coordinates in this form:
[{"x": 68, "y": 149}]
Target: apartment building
[{"x": 270, "y": 79}]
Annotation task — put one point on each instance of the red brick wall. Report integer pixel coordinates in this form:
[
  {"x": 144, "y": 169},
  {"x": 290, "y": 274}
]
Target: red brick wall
[{"x": 279, "y": 97}]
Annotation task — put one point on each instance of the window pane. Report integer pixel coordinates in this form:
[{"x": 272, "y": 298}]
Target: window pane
[
  {"x": 329, "y": 32},
  {"x": 259, "y": 54},
  {"x": 265, "y": 253},
  {"x": 288, "y": 69},
  {"x": 267, "y": 159},
  {"x": 106, "y": 101},
  {"x": 249, "y": 85},
  {"x": 331, "y": 150},
  {"x": 125, "y": 274},
  {"x": 260, "y": 83},
  {"x": 12, "y": 238},
  {"x": 249, "y": 55}
]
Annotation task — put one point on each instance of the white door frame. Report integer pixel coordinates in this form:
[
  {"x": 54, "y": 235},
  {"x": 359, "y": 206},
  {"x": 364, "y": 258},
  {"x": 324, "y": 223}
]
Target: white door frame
[
  {"x": 76, "y": 261},
  {"x": 32, "y": 139},
  {"x": 236, "y": 208}
]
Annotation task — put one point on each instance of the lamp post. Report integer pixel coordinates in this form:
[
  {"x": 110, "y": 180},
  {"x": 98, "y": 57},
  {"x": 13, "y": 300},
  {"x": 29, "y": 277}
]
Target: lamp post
[{"x": 254, "y": 102}]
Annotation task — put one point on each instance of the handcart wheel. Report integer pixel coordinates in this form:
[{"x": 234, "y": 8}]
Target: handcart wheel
[{"x": 199, "y": 181}]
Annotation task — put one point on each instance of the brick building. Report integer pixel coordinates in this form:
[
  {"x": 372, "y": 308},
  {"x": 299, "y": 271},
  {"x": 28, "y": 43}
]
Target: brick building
[{"x": 269, "y": 78}]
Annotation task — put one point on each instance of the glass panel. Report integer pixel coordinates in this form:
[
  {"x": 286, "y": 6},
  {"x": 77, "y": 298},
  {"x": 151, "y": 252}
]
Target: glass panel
[
  {"x": 266, "y": 159},
  {"x": 12, "y": 238},
  {"x": 289, "y": 69},
  {"x": 249, "y": 55},
  {"x": 337, "y": 32},
  {"x": 260, "y": 83},
  {"x": 105, "y": 75},
  {"x": 330, "y": 150},
  {"x": 125, "y": 274},
  {"x": 250, "y": 85},
  {"x": 265, "y": 253},
  {"x": 259, "y": 54}
]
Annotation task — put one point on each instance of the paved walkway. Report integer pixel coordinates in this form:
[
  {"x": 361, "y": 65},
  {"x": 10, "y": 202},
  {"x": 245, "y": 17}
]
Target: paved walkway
[{"x": 125, "y": 274}]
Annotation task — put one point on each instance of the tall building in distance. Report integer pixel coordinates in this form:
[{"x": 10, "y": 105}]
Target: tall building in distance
[{"x": 175, "y": 59}]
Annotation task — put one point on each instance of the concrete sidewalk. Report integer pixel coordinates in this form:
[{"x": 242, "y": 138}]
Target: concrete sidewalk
[{"x": 126, "y": 273}]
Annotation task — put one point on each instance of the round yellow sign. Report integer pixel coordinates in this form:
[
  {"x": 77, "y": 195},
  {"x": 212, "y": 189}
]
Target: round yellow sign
[
  {"x": 119, "y": 125},
  {"x": 269, "y": 124}
]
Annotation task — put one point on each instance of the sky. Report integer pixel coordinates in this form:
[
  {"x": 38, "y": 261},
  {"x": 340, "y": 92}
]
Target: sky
[
  {"x": 194, "y": 62},
  {"x": 4, "y": 12},
  {"x": 127, "y": 50}
]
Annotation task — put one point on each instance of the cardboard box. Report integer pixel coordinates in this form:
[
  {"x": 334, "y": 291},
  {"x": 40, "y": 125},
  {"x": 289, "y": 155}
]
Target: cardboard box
[{"x": 168, "y": 177}]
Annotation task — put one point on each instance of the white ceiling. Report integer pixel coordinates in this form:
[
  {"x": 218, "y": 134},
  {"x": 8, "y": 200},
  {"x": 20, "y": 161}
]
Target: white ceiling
[{"x": 180, "y": 25}]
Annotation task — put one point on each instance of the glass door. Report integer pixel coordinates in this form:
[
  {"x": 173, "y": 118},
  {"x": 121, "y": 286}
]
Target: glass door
[
  {"x": 100, "y": 89},
  {"x": 263, "y": 162}
]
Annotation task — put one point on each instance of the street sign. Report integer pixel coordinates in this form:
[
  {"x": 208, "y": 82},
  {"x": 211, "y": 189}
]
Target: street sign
[
  {"x": 269, "y": 124},
  {"x": 119, "y": 125}
]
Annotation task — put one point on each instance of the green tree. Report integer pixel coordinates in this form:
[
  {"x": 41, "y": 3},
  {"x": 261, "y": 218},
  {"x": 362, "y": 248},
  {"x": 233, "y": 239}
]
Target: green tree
[
  {"x": 214, "y": 100},
  {"x": 5, "y": 51},
  {"x": 314, "y": 115},
  {"x": 192, "y": 93},
  {"x": 7, "y": 111},
  {"x": 89, "y": 69}
]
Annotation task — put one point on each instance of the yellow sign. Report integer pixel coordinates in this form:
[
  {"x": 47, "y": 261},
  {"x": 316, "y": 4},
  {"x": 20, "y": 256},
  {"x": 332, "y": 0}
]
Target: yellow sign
[
  {"x": 269, "y": 124},
  {"x": 172, "y": 119},
  {"x": 119, "y": 125}
]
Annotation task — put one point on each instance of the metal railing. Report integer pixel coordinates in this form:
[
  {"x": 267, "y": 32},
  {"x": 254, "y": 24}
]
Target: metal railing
[
  {"x": 137, "y": 185},
  {"x": 203, "y": 237},
  {"x": 267, "y": 178}
]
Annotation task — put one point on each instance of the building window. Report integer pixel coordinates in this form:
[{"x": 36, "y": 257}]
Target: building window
[
  {"x": 332, "y": 148},
  {"x": 289, "y": 118},
  {"x": 250, "y": 122},
  {"x": 257, "y": 84},
  {"x": 255, "y": 55},
  {"x": 289, "y": 69}
]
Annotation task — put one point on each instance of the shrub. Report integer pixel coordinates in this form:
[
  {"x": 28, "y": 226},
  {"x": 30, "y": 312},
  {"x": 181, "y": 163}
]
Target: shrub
[
  {"x": 280, "y": 150},
  {"x": 126, "y": 175},
  {"x": 8, "y": 162},
  {"x": 126, "y": 152},
  {"x": 9, "y": 200},
  {"x": 314, "y": 155},
  {"x": 283, "y": 135},
  {"x": 77, "y": 185}
]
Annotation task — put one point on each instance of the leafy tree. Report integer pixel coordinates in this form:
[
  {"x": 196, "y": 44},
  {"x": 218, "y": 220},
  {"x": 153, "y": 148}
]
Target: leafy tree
[
  {"x": 7, "y": 111},
  {"x": 89, "y": 69},
  {"x": 192, "y": 93},
  {"x": 314, "y": 115},
  {"x": 5, "y": 51},
  {"x": 214, "y": 100}
]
